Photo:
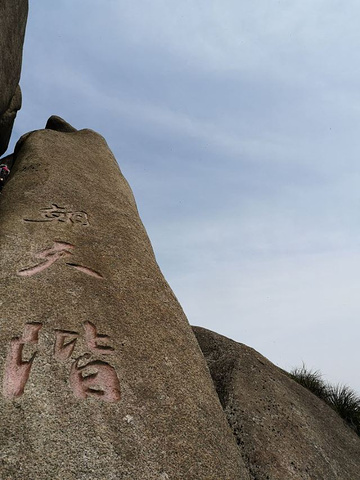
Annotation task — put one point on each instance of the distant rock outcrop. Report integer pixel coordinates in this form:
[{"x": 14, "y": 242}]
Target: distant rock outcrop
[
  {"x": 102, "y": 375},
  {"x": 283, "y": 431},
  {"x": 13, "y": 16}
]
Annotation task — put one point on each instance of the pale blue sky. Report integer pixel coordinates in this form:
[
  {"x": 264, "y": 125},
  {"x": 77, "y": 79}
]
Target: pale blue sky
[{"x": 237, "y": 125}]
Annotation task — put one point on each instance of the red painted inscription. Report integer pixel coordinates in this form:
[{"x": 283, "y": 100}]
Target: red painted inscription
[
  {"x": 50, "y": 255},
  {"x": 96, "y": 378},
  {"x": 17, "y": 370},
  {"x": 88, "y": 377},
  {"x": 65, "y": 341}
]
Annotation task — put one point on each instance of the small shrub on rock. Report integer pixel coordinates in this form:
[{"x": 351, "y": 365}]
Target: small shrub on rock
[{"x": 341, "y": 398}]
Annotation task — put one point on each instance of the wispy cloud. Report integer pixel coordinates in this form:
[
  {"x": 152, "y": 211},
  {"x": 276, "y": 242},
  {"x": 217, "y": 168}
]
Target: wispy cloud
[{"x": 236, "y": 124}]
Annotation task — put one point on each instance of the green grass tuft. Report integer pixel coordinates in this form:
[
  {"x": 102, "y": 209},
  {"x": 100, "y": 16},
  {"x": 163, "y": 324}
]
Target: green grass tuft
[
  {"x": 310, "y": 379},
  {"x": 341, "y": 398},
  {"x": 346, "y": 403}
]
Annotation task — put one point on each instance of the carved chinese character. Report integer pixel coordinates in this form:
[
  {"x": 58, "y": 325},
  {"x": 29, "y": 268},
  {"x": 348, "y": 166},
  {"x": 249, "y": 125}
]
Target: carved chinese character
[
  {"x": 17, "y": 370},
  {"x": 95, "y": 378},
  {"x": 87, "y": 378},
  {"x": 60, "y": 214},
  {"x": 50, "y": 255},
  {"x": 79, "y": 217},
  {"x": 64, "y": 344},
  {"x": 92, "y": 338}
]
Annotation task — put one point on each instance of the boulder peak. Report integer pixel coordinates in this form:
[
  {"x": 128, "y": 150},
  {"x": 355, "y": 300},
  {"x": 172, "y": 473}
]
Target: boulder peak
[
  {"x": 59, "y": 124},
  {"x": 283, "y": 431}
]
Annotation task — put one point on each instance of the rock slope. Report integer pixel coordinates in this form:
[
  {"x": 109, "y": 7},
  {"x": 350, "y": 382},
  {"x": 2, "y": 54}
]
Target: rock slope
[
  {"x": 102, "y": 376},
  {"x": 283, "y": 431}
]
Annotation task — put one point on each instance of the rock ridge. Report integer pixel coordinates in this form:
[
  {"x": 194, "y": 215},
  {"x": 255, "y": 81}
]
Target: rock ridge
[{"x": 283, "y": 431}]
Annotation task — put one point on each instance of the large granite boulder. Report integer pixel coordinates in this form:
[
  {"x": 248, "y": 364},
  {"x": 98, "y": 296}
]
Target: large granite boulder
[
  {"x": 13, "y": 16},
  {"x": 284, "y": 432},
  {"x": 102, "y": 377}
]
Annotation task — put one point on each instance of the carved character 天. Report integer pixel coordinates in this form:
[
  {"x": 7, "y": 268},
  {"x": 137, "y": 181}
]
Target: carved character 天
[{"x": 50, "y": 255}]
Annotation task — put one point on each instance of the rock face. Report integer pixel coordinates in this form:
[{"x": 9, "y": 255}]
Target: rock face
[
  {"x": 13, "y": 15},
  {"x": 283, "y": 431},
  {"x": 102, "y": 376}
]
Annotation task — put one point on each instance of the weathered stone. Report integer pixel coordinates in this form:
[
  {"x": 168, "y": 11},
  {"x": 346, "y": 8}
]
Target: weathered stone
[
  {"x": 102, "y": 376},
  {"x": 13, "y": 15},
  {"x": 59, "y": 124},
  {"x": 283, "y": 430}
]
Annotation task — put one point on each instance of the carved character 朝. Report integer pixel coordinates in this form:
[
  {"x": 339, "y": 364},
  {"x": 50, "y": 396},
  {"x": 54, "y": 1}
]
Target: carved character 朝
[{"x": 62, "y": 215}]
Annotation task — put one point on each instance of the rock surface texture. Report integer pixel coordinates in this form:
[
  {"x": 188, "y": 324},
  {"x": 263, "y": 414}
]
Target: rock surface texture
[
  {"x": 13, "y": 16},
  {"x": 102, "y": 376},
  {"x": 283, "y": 431}
]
